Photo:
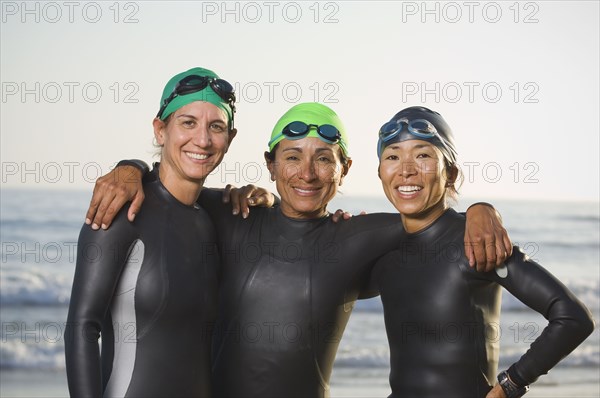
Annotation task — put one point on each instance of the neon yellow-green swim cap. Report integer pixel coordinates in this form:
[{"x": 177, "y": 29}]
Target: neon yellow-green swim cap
[
  {"x": 207, "y": 94},
  {"x": 309, "y": 113}
]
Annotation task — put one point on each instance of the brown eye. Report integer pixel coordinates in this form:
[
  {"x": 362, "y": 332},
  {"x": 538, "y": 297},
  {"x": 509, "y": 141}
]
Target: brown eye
[
  {"x": 218, "y": 127},
  {"x": 189, "y": 123}
]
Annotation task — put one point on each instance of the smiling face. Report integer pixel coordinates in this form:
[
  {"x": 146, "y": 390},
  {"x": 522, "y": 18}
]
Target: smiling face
[
  {"x": 307, "y": 173},
  {"x": 414, "y": 180},
  {"x": 194, "y": 141}
]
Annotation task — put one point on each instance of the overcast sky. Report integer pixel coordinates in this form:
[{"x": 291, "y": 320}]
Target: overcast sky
[{"x": 517, "y": 81}]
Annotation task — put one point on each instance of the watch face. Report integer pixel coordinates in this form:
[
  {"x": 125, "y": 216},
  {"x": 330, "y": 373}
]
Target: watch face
[{"x": 502, "y": 378}]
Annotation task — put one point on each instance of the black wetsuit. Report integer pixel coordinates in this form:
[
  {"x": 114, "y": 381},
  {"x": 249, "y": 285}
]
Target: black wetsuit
[
  {"x": 286, "y": 292},
  {"x": 149, "y": 288},
  {"x": 442, "y": 317}
]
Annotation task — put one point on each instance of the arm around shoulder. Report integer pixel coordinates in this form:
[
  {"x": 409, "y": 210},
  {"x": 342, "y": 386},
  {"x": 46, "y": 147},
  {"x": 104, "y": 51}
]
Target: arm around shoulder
[{"x": 113, "y": 190}]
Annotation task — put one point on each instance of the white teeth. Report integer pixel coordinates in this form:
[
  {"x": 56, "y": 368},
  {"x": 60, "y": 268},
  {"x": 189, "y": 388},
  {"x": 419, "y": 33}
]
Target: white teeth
[
  {"x": 409, "y": 188},
  {"x": 305, "y": 190},
  {"x": 196, "y": 156}
]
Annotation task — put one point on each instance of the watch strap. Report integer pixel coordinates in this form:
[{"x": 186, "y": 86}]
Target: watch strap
[{"x": 511, "y": 389}]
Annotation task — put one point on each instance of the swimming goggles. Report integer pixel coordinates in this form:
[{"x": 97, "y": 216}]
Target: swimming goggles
[
  {"x": 297, "y": 130},
  {"x": 419, "y": 128},
  {"x": 193, "y": 83}
]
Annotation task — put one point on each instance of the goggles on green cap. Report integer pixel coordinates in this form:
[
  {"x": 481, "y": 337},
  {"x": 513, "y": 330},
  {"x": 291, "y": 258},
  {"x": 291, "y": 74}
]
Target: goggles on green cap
[
  {"x": 197, "y": 84},
  {"x": 310, "y": 119}
]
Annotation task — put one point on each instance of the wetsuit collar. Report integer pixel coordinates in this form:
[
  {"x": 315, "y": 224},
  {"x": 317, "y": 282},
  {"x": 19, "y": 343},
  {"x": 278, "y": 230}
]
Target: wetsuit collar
[
  {"x": 293, "y": 228},
  {"x": 154, "y": 178},
  {"x": 436, "y": 228}
]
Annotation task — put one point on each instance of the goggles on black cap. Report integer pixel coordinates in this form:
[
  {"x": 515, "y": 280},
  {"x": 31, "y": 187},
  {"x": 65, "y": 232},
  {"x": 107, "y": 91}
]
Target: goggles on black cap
[{"x": 416, "y": 129}]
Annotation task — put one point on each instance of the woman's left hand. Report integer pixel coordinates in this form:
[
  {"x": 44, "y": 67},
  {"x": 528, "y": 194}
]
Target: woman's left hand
[
  {"x": 496, "y": 392},
  {"x": 487, "y": 244},
  {"x": 243, "y": 198}
]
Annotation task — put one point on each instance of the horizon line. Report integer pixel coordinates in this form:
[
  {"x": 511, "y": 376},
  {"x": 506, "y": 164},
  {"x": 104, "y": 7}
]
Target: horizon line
[{"x": 340, "y": 195}]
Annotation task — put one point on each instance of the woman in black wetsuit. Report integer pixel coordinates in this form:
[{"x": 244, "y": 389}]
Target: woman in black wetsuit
[
  {"x": 149, "y": 288},
  {"x": 289, "y": 275},
  {"x": 437, "y": 310}
]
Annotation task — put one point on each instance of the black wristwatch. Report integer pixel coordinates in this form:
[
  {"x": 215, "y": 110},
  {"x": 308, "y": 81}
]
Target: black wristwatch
[{"x": 510, "y": 388}]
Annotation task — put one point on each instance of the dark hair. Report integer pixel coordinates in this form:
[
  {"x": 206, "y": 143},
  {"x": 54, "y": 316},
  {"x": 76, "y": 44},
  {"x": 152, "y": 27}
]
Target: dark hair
[{"x": 452, "y": 190}]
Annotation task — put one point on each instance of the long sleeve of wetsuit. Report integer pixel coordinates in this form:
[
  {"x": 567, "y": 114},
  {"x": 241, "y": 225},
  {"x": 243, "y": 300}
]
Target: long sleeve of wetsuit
[
  {"x": 569, "y": 324},
  {"x": 101, "y": 256}
]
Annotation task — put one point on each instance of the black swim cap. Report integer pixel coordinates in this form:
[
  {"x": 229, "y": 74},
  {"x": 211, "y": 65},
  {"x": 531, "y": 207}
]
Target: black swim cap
[{"x": 441, "y": 135}]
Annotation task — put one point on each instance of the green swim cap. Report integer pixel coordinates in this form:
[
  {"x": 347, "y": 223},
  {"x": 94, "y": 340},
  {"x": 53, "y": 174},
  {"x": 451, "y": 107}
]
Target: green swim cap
[
  {"x": 206, "y": 95},
  {"x": 309, "y": 113}
]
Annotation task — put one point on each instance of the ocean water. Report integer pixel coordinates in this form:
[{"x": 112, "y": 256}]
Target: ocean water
[{"x": 39, "y": 231}]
